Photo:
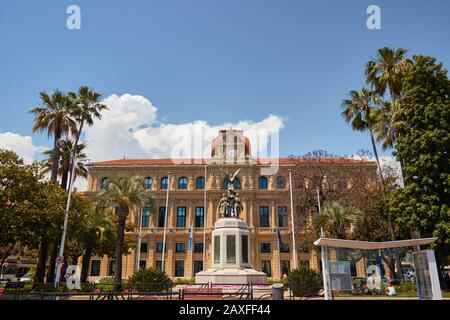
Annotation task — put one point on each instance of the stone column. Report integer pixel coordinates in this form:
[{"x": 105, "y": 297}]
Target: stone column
[
  {"x": 276, "y": 272},
  {"x": 272, "y": 214},
  {"x": 251, "y": 214},
  {"x": 170, "y": 263},
  {"x": 151, "y": 245}
]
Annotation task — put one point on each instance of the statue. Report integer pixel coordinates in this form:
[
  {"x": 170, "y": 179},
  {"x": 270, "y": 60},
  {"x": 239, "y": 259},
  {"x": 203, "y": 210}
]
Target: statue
[
  {"x": 237, "y": 205},
  {"x": 230, "y": 204},
  {"x": 223, "y": 206}
]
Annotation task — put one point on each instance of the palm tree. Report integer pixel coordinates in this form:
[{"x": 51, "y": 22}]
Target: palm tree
[
  {"x": 386, "y": 71},
  {"x": 64, "y": 163},
  {"x": 87, "y": 108},
  {"x": 55, "y": 117},
  {"x": 123, "y": 194},
  {"x": 359, "y": 110},
  {"x": 336, "y": 219},
  {"x": 97, "y": 223}
]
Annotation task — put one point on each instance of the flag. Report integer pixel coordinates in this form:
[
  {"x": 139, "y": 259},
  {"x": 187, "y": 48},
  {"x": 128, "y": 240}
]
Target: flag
[
  {"x": 279, "y": 237},
  {"x": 191, "y": 235}
]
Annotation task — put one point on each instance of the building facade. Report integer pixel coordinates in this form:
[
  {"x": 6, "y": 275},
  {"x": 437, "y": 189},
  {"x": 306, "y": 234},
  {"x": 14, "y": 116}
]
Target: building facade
[{"x": 195, "y": 189}]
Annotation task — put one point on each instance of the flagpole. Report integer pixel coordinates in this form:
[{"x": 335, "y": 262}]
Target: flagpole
[
  {"x": 165, "y": 224},
  {"x": 318, "y": 198},
  {"x": 139, "y": 242},
  {"x": 279, "y": 253},
  {"x": 204, "y": 223},
  {"x": 292, "y": 219},
  {"x": 191, "y": 245}
]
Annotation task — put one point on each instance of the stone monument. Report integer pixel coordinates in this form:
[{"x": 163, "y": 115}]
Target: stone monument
[{"x": 230, "y": 254}]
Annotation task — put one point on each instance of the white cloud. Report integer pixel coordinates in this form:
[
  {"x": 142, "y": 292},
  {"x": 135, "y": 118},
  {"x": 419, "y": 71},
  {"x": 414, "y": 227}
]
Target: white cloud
[
  {"x": 130, "y": 128},
  {"x": 22, "y": 145},
  {"x": 389, "y": 166}
]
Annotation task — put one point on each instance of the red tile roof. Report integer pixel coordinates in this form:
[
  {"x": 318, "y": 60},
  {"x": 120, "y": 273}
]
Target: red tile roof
[{"x": 267, "y": 161}]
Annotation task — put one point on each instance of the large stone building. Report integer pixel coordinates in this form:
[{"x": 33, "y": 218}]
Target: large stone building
[{"x": 264, "y": 193}]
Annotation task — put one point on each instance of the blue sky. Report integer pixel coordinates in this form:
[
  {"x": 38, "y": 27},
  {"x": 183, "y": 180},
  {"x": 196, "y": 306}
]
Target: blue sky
[{"x": 217, "y": 61}]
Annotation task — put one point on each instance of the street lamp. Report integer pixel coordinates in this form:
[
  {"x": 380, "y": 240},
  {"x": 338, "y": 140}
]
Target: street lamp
[{"x": 59, "y": 261}]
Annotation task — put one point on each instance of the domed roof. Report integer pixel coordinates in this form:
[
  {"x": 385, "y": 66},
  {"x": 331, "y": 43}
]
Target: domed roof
[{"x": 218, "y": 142}]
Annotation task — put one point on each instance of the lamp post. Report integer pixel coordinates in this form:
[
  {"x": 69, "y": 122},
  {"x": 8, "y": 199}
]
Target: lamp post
[
  {"x": 139, "y": 241},
  {"x": 165, "y": 224},
  {"x": 59, "y": 261},
  {"x": 292, "y": 219},
  {"x": 204, "y": 223}
]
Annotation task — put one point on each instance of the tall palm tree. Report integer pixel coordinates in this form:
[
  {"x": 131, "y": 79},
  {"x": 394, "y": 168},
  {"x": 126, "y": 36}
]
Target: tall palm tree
[
  {"x": 359, "y": 111},
  {"x": 97, "y": 224},
  {"x": 336, "y": 219},
  {"x": 123, "y": 194},
  {"x": 64, "y": 163},
  {"x": 390, "y": 126},
  {"x": 55, "y": 117},
  {"x": 386, "y": 71},
  {"x": 87, "y": 108}
]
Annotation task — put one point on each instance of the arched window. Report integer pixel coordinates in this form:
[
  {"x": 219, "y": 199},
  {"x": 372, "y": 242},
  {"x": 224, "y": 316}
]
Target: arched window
[
  {"x": 148, "y": 183},
  {"x": 164, "y": 183},
  {"x": 182, "y": 183},
  {"x": 280, "y": 182},
  {"x": 262, "y": 183},
  {"x": 236, "y": 183},
  {"x": 200, "y": 183},
  {"x": 105, "y": 183}
]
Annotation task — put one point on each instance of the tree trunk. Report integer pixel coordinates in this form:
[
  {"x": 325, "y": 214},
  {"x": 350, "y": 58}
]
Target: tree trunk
[
  {"x": 375, "y": 152},
  {"x": 86, "y": 261},
  {"x": 52, "y": 262},
  {"x": 42, "y": 261},
  {"x": 64, "y": 179},
  {"x": 402, "y": 170},
  {"x": 55, "y": 159},
  {"x": 119, "y": 250}
]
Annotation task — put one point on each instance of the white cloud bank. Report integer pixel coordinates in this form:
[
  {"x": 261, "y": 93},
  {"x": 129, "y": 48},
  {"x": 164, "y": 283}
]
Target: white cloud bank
[
  {"x": 130, "y": 128},
  {"x": 22, "y": 145}
]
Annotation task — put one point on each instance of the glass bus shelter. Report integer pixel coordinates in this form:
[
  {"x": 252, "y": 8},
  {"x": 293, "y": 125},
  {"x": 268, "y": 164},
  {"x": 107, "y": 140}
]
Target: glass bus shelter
[{"x": 391, "y": 268}]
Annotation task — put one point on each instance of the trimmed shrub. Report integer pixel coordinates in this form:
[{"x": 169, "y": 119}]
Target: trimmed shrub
[
  {"x": 150, "y": 280},
  {"x": 105, "y": 285},
  {"x": 304, "y": 281},
  {"x": 184, "y": 281}
]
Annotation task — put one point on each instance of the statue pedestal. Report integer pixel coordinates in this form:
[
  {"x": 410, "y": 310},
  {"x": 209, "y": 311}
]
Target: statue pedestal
[{"x": 230, "y": 255}]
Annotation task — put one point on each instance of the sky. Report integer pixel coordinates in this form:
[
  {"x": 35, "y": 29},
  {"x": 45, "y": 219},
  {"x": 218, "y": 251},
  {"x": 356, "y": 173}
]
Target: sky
[{"x": 168, "y": 69}]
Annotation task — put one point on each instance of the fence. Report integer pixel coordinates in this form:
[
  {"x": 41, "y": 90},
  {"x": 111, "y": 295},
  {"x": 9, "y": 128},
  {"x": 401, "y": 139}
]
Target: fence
[{"x": 127, "y": 291}]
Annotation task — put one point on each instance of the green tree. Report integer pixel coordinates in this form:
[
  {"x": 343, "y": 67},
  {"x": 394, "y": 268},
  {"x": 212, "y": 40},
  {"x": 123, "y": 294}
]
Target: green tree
[
  {"x": 123, "y": 194},
  {"x": 17, "y": 182},
  {"x": 336, "y": 219},
  {"x": 97, "y": 226},
  {"x": 87, "y": 109},
  {"x": 45, "y": 218},
  {"x": 64, "y": 163},
  {"x": 358, "y": 110},
  {"x": 305, "y": 281},
  {"x": 386, "y": 70},
  {"x": 424, "y": 148},
  {"x": 55, "y": 117},
  {"x": 150, "y": 280}
]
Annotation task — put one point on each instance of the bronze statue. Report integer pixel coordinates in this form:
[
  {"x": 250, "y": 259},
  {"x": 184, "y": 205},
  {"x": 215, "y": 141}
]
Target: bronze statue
[
  {"x": 223, "y": 206},
  {"x": 230, "y": 204}
]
